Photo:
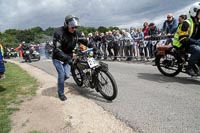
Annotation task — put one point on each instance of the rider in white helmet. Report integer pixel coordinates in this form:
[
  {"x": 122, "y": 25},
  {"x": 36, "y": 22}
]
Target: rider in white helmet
[{"x": 187, "y": 36}]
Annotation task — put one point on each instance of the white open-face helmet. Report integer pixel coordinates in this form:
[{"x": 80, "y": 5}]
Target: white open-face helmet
[{"x": 194, "y": 9}]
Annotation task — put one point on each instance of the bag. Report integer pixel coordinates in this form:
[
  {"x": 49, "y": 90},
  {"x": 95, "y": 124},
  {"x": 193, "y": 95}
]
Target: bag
[
  {"x": 110, "y": 44},
  {"x": 127, "y": 43},
  {"x": 141, "y": 44}
]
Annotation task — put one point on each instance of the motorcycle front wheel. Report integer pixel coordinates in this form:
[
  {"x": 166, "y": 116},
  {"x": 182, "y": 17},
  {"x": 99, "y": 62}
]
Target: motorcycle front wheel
[{"x": 106, "y": 85}]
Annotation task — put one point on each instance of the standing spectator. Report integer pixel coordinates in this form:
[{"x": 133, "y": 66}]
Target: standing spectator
[
  {"x": 2, "y": 67},
  {"x": 19, "y": 48},
  {"x": 109, "y": 41},
  {"x": 116, "y": 47},
  {"x": 140, "y": 41},
  {"x": 135, "y": 47},
  {"x": 145, "y": 31},
  {"x": 97, "y": 40},
  {"x": 126, "y": 36},
  {"x": 2, "y": 50},
  {"x": 152, "y": 33},
  {"x": 91, "y": 39},
  {"x": 103, "y": 44}
]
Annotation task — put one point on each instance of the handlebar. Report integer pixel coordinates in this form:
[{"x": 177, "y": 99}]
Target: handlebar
[
  {"x": 87, "y": 50},
  {"x": 81, "y": 53},
  {"x": 158, "y": 37}
]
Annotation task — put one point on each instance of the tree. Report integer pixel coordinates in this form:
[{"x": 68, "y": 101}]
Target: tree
[
  {"x": 49, "y": 31},
  {"x": 36, "y": 30},
  {"x": 26, "y": 35},
  {"x": 102, "y": 29},
  {"x": 113, "y": 28},
  {"x": 12, "y": 37}
]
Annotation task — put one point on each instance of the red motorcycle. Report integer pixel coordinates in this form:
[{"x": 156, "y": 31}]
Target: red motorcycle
[{"x": 171, "y": 61}]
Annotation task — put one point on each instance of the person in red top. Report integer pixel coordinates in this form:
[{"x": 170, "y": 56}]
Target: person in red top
[
  {"x": 145, "y": 28},
  {"x": 145, "y": 31}
]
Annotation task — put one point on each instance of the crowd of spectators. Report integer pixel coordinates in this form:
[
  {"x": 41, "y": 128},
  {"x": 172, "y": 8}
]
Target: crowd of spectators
[{"x": 135, "y": 43}]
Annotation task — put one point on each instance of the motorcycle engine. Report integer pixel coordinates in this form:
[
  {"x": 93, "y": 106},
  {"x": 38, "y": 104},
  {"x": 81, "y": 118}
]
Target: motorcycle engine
[{"x": 87, "y": 79}]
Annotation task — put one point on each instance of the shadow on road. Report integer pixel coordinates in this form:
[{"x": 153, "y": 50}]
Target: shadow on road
[
  {"x": 28, "y": 62},
  {"x": 86, "y": 92},
  {"x": 163, "y": 79}
]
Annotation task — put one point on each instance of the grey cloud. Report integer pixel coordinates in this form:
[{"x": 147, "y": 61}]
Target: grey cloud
[{"x": 22, "y": 14}]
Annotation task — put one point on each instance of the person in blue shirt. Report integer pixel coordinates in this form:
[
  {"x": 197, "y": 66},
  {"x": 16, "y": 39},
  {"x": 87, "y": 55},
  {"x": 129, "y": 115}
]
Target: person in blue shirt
[{"x": 170, "y": 25}]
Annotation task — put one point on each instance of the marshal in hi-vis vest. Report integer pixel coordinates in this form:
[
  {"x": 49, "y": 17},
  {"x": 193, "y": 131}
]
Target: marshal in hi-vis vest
[{"x": 179, "y": 33}]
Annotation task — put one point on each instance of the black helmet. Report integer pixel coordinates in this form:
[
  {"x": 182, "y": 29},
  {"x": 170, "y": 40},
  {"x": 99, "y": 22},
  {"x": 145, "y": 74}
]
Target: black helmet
[{"x": 71, "y": 21}]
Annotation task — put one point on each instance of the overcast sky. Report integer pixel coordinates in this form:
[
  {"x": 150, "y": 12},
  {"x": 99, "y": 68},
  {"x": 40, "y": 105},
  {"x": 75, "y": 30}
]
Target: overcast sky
[{"x": 23, "y": 14}]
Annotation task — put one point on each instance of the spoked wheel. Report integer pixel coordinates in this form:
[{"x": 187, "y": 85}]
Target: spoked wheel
[
  {"x": 107, "y": 85},
  {"x": 77, "y": 76},
  {"x": 168, "y": 65},
  {"x": 29, "y": 58}
]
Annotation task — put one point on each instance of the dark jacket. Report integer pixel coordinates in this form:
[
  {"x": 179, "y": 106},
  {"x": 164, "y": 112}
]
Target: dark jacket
[
  {"x": 153, "y": 32},
  {"x": 185, "y": 39},
  {"x": 97, "y": 38},
  {"x": 25, "y": 47},
  {"x": 64, "y": 43}
]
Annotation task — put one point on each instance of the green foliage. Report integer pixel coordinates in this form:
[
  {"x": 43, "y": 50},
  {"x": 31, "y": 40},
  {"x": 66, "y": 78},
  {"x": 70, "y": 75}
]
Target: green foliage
[
  {"x": 102, "y": 29},
  {"x": 113, "y": 28},
  {"x": 49, "y": 31},
  {"x": 13, "y": 37},
  {"x": 37, "y": 30},
  {"x": 25, "y": 35}
]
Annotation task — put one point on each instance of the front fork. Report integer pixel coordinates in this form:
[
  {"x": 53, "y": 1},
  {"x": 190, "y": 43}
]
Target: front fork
[{"x": 95, "y": 80}]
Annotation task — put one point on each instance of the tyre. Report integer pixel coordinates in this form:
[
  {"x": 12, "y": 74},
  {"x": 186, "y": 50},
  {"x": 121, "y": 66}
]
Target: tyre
[
  {"x": 168, "y": 65},
  {"x": 29, "y": 58},
  {"x": 77, "y": 76},
  {"x": 106, "y": 85}
]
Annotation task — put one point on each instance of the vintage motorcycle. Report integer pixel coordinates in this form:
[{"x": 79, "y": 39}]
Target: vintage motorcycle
[
  {"x": 30, "y": 54},
  {"x": 88, "y": 72},
  {"x": 27, "y": 55},
  {"x": 170, "y": 61}
]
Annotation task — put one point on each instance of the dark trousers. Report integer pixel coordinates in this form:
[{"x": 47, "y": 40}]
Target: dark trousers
[
  {"x": 116, "y": 49},
  {"x": 129, "y": 51},
  {"x": 110, "y": 47},
  {"x": 104, "y": 48}
]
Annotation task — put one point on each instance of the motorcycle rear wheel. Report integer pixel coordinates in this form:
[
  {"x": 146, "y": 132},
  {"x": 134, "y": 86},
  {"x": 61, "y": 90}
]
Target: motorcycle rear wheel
[{"x": 77, "y": 76}]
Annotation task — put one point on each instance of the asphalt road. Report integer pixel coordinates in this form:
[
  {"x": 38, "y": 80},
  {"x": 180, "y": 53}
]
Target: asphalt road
[{"x": 147, "y": 101}]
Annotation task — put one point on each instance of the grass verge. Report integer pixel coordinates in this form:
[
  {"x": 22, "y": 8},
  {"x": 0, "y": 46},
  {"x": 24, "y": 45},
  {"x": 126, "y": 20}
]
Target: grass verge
[{"x": 17, "y": 87}]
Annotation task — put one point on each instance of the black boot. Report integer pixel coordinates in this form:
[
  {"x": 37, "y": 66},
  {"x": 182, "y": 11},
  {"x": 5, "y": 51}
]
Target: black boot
[
  {"x": 191, "y": 72},
  {"x": 197, "y": 70},
  {"x": 190, "y": 69}
]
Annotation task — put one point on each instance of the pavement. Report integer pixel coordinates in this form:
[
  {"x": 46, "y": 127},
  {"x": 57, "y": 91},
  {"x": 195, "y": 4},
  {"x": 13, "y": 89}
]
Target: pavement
[{"x": 46, "y": 113}]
